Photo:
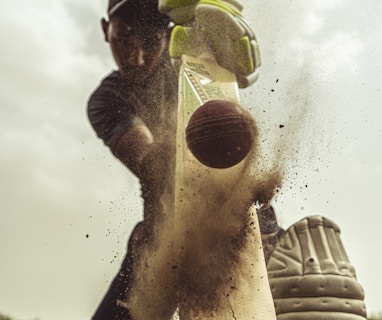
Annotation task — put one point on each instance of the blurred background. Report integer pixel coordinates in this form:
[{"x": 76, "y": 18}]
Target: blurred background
[{"x": 67, "y": 206}]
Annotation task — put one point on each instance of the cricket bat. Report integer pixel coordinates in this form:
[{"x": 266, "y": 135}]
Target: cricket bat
[{"x": 209, "y": 213}]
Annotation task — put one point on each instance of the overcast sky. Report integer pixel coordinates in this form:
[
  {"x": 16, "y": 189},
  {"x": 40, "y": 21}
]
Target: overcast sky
[{"x": 67, "y": 206}]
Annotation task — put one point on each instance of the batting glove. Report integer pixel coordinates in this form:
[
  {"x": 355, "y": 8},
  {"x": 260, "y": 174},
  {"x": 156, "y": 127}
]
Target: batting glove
[{"x": 229, "y": 37}]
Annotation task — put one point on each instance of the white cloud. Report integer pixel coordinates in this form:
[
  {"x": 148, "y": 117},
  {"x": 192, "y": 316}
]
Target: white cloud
[
  {"x": 340, "y": 52},
  {"x": 312, "y": 23},
  {"x": 49, "y": 187},
  {"x": 48, "y": 43},
  {"x": 325, "y": 5}
]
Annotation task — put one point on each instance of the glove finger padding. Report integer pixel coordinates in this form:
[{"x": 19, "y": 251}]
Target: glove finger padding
[
  {"x": 311, "y": 277},
  {"x": 232, "y": 41}
]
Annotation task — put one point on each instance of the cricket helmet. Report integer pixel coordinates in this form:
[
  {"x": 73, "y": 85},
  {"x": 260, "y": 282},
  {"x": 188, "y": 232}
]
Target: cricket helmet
[{"x": 143, "y": 10}]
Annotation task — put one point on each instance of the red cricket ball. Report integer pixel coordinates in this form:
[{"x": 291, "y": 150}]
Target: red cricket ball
[{"x": 220, "y": 134}]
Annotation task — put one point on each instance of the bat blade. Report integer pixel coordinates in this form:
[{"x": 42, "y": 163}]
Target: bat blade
[
  {"x": 200, "y": 80},
  {"x": 207, "y": 201}
]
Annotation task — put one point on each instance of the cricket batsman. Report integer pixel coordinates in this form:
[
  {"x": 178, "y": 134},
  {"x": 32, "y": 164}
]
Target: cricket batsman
[{"x": 133, "y": 111}]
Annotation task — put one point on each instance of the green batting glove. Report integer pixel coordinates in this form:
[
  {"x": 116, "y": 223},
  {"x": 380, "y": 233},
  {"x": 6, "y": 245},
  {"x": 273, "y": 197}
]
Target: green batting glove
[
  {"x": 232, "y": 41},
  {"x": 180, "y": 11}
]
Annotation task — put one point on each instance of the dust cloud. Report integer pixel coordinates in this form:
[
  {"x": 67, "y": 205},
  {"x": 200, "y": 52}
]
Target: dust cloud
[
  {"x": 205, "y": 255},
  {"x": 294, "y": 130}
]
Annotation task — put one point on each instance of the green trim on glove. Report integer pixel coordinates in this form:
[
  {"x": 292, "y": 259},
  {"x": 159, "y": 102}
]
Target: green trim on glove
[
  {"x": 180, "y": 42},
  {"x": 243, "y": 52},
  {"x": 172, "y": 4}
]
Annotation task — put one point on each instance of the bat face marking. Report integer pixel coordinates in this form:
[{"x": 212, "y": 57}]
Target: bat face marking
[
  {"x": 205, "y": 86},
  {"x": 199, "y": 68}
]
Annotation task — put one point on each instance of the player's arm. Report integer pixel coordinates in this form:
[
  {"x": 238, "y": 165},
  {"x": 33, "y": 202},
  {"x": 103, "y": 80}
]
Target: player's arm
[
  {"x": 133, "y": 146},
  {"x": 231, "y": 39}
]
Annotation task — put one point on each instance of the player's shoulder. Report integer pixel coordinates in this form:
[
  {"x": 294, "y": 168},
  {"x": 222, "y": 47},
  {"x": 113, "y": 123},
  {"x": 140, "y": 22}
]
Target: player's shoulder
[
  {"x": 109, "y": 84},
  {"x": 110, "y": 90}
]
